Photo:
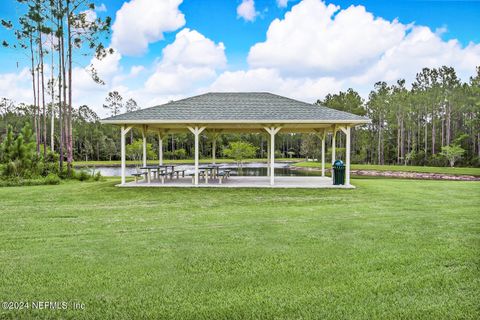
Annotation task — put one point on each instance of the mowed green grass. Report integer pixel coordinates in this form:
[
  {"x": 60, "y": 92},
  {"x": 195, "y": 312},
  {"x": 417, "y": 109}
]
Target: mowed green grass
[
  {"x": 390, "y": 249},
  {"x": 424, "y": 169}
]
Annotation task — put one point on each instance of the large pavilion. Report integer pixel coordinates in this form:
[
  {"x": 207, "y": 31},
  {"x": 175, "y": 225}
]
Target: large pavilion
[{"x": 239, "y": 112}]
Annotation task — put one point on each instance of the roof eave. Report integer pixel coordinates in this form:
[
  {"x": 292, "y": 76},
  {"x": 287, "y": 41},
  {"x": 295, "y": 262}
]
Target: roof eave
[{"x": 345, "y": 121}]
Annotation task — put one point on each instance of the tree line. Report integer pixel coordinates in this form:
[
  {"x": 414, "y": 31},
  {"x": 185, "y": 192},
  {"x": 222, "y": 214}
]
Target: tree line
[
  {"x": 417, "y": 125},
  {"x": 435, "y": 120}
]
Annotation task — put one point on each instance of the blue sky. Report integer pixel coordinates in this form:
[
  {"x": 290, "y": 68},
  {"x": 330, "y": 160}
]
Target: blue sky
[{"x": 237, "y": 54}]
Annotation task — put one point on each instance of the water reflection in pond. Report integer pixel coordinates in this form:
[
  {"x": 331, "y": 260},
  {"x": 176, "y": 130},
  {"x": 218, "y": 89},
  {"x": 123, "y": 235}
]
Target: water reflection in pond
[{"x": 247, "y": 169}]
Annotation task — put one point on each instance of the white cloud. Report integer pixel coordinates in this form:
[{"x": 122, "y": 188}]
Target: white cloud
[
  {"x": 246, "y": 10},
  {"x": 189, "y": 63},
  {"x": 86, "y": 91},
  {"x": 90, "y": 15},
  {"x": 269, "y": 80},
  {"x": 192, "y": 49},
  {"x": 141, "y": 22},
  {"x": 136, "y": 70},
  {"x": 318, "y": 38},
  {"x": 101, "y": 8},
  {"x": 316, "y": 41},
  {"x": 282, "y": 3},
  {"x": 418, "y": 49},
  {"x": 17, "y": 86}
]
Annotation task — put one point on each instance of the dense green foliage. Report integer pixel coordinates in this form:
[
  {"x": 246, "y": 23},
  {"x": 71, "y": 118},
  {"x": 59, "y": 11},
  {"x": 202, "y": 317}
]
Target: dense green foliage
[
  {"x": 390, "y": 249},
  {"x": 239, "y": 151},
  {"x": 21, "y": 165},
  {"x": 452, "y": 153},
  {"x": 411, "y": 126},
  {"x": 401, "y": 168},
  {"x": 134, "y": 150}
]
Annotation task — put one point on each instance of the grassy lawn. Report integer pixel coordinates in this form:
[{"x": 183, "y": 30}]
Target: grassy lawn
[
  {"x": 389, "y": 249},
  {"x": 445, "y": 170},
  {"x": 185, "y": 161}
]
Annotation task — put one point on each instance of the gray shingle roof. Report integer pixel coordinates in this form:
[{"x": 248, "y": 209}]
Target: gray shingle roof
[{"x": 232, "y": 106}]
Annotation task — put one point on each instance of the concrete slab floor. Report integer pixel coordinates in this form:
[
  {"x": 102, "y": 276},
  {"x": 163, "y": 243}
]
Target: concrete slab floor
[{"x": 243, "y": 182}]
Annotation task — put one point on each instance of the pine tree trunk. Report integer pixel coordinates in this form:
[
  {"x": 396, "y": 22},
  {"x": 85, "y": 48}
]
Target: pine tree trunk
[
  {"x": 448, "y": 124},
  {"x": 60, "y": 102},
  {"x": 433, "y": 132},
  {"x": 426, "y": 135},
  {"x": 52, "y": 122},
  {"x": 478, "y": 144},
  {"x": 69, "y": 121},
  {"x": 32, "y": 56},
  {"x": 43, "y": 98},
  {"x": 398, "y": 139},
  {"x": 39, "y": 130},
  {"x": 402, "y": 140},
  {"x": 443, "y": 131},
  {"x": 64, "y": 93}
]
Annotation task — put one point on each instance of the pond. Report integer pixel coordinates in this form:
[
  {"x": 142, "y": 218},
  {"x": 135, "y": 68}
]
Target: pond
[{"x": 247, "y": 169}]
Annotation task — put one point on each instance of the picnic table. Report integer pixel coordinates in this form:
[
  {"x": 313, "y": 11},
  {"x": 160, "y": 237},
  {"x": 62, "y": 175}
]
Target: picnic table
[
  {"x": 210, "y": 170},
  {"x": 164, "y": 167},
  {"x": 149, "y": 171}
]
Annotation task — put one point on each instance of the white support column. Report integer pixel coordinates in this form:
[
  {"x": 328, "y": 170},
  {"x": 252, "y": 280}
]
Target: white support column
[
  {"x": 323, "y": 152},
  {"x": 347, "y": 157},
  {"x": 123, "y": 132},
  {"x": 346, "y": 130},
  {"x": 214, "y": 148},
  {"x": 333, "y": 144},
  {"x": 272, "y": 131},
  {"x": 144, "y": 138},
  {"x": 160, "y": 148},
  {"x": 272, "y": 159},
  {"x": 196, "y": 132},
  {"x": 268, "y": 156}
]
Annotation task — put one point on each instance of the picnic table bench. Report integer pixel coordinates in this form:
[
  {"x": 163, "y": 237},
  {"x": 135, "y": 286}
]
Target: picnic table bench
[
  {"x": 137, "y": 175},
  {"x": 202, "y": 173},
  {"x": 223, "y": 175},
  {"x": 178, "y": 171}
]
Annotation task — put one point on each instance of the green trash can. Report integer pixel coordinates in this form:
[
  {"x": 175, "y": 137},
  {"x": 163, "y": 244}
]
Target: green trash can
[{"x": 338, "y": 172}]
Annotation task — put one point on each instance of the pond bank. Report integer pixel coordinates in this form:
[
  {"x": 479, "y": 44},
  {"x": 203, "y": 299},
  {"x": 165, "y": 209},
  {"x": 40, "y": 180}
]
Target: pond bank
[{"x": 404, "y": 174}]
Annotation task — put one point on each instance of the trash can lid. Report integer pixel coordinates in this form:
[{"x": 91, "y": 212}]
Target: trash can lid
[{"x": 338, "y": 163}]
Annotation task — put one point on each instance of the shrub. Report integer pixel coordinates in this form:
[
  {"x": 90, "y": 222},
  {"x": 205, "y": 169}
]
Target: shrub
[
  {"x": 436, "y": 161},
  {"x": 180, "y": 154},
  {"x": 97, "y": 176},
  {"x": 240, "y": 150},
  {"x": 279, "y": 154},
  {"x": 83, "y": 175},
  {"x": 52, "y": 179}
]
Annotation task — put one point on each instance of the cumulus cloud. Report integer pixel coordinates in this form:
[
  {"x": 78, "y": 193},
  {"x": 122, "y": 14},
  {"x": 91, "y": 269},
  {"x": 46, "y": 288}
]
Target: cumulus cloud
[
  {"x": 141, "y": 22},
  {"x": 246, "y": 10},
  {"x": 193, "y": 49},
  {"x": 317, "y": 40},
  {"x": 282, "y": 3},
  {"x": 418, "y": 49},
  {"x": 187, "y": 64},
  {"x": 270, "y": 80},
  {"x": 101, "y": 8},
  {"x": 17, "y": 86}
]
